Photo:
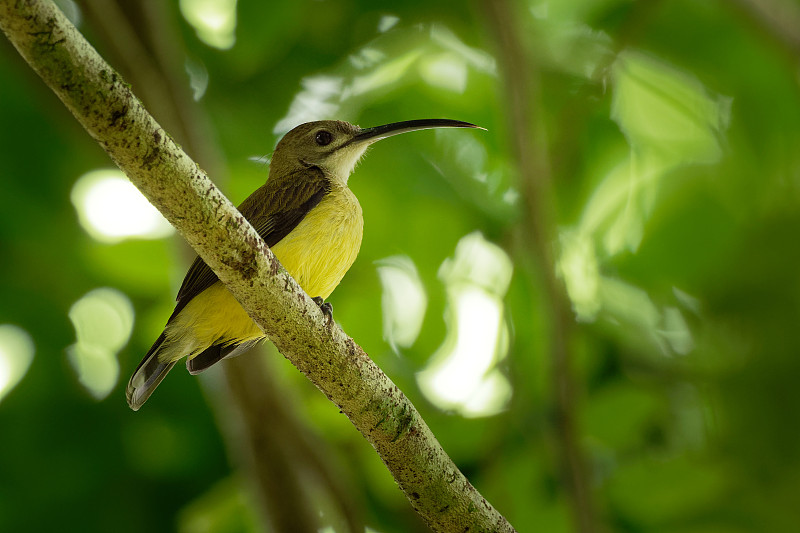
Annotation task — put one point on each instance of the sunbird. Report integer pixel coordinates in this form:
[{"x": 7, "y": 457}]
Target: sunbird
[{"x": 311, "y": 221}]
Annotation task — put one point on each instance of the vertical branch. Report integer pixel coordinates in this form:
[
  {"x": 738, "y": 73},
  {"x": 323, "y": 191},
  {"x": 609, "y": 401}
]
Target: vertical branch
[
  {"x": 276, "y": 481},
  {"x": 778, "y": 19},
  {"x": 538, "y": 235}
]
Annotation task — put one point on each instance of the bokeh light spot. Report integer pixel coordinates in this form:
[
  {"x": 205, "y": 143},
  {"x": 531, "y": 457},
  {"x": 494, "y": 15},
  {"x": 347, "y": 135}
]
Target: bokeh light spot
[
  {"x": 577, "y": 265},
  {"x": 386, "y": 74},
  {"x": 446, "y": 71},
  {"x": 103, "y": 321},
  {"x": 462, "y": 375},
  {"x": 111, "y": 209},
  {"x": 387, "y": 22},
  {"x": 213, "y": 20},
  {"x": 316, "y": 101},
  {"x": 198, "y": 77},
  {"x": 16, "y": 355},
  {"x": 404, "y": 301}
]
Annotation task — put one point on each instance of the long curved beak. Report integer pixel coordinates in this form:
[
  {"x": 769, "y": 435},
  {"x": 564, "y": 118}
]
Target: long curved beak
[{"x": 371, "y": 135}]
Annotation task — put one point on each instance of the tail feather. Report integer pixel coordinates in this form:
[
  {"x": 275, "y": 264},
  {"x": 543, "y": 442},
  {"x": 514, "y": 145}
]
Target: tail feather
[
  {"x": 216, "y": 353},
  {"x": 147, "y": 376}
]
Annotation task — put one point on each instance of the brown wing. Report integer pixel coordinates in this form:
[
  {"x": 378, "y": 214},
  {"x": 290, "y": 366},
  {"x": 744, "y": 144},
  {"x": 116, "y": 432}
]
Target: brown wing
[{"x": 273, "y": 212}]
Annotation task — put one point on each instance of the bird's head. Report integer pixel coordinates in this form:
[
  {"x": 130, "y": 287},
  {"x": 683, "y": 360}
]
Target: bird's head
[{"x": 336, "y": 146}]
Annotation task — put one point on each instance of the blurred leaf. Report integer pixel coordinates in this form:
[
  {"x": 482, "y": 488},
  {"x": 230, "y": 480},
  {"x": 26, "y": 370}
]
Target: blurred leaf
[
  {"x": 665, "y": 112},
  {"x": 677, "y": 219}
]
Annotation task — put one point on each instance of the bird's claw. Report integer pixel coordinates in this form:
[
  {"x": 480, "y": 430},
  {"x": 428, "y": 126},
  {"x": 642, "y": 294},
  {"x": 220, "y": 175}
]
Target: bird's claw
[{"x": 327, "y": 310}]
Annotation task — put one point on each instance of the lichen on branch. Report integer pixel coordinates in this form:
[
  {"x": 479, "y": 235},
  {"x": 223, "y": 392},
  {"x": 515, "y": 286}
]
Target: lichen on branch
[{"x": 106, "y": 107}]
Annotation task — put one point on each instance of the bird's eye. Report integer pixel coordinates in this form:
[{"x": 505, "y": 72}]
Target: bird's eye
[{"x": 323, "y": 138}]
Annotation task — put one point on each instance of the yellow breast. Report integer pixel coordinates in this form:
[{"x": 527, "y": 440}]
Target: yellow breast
[
  {"x": 317, "y": 253},
  {"x": 321, "y": 249}
]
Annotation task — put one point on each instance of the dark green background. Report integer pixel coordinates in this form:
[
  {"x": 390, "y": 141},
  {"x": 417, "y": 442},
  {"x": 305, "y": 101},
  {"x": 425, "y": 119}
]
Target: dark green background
[{"x": 702, "y": 442}]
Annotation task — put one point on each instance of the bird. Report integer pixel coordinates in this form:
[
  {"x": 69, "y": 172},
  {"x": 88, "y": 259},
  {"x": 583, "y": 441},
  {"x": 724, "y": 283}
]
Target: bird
[{"x": 311, "y": 221}]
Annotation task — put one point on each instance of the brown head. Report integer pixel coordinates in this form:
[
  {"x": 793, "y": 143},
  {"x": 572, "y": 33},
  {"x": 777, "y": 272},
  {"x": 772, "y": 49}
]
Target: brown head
[{"x": 336, "y": 146}]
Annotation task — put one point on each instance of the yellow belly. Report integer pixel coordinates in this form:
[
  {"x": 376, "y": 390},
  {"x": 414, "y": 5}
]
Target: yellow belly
[
  {"x": 321, "y": 249},
  {"x": 317, "y": 253}
]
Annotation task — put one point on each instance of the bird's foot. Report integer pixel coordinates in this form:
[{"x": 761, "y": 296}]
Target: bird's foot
[{"x": 327, "y": 310}]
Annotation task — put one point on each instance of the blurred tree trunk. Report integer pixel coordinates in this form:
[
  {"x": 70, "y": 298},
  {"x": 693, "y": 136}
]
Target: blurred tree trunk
[
  {"x": 264, "y": 438},
  {"x": 535, "y": 238}
]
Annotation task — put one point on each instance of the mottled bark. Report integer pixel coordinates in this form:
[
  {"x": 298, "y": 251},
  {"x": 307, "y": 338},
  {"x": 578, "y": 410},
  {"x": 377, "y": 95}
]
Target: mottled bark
[{"x": 105, "y": 106}]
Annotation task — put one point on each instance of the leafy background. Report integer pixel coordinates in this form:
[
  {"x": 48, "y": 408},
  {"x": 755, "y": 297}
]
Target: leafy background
[{"x": 657, "y": 189}]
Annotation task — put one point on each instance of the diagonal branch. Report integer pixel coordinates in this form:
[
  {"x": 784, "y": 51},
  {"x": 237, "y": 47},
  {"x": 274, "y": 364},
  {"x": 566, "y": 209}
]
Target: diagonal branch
[
  {"x": 105, "y": 106},
  {"x": 265, "y": 437}
]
